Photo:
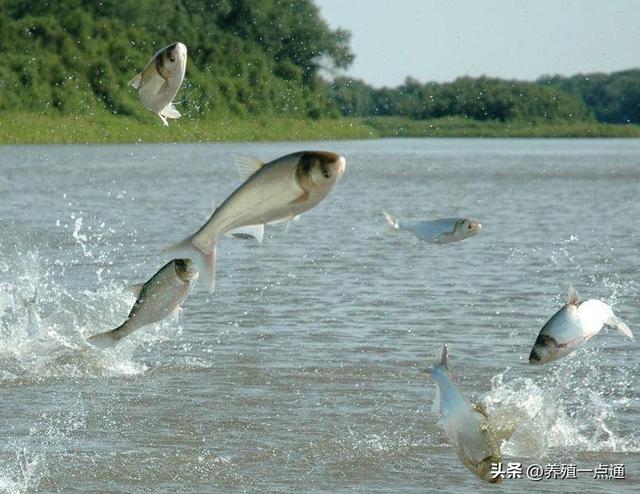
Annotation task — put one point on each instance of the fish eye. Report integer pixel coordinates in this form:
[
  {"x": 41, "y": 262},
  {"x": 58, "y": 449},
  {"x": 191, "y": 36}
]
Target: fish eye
[{"x": 172, "y": 58}]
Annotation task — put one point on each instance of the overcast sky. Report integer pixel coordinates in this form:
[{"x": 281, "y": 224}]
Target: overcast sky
[{"x": 437, "y": 40}]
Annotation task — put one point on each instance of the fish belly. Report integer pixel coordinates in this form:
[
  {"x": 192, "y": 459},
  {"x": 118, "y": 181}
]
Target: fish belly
[
  {"x": 432, "y": 231},
  {"x": 155, "y": 91}
]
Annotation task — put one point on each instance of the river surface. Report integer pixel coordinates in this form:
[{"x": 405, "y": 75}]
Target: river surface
[{"x": 303, "y": 371}]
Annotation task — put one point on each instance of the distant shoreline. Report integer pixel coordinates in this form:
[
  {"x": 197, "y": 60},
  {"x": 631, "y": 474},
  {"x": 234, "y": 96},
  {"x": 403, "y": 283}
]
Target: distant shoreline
[{"x": 28, "y": 128}]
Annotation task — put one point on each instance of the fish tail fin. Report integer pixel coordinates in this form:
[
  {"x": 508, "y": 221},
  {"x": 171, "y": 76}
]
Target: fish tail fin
[
  {"x": 442, "y": 363},
  {"x": 444, "y": 358},
  {"x": 205, "y": 261},
  {"x": 107, "y": 339},
  {"x": 391, "y": 220},
  {"x": 619, "y": 325}
]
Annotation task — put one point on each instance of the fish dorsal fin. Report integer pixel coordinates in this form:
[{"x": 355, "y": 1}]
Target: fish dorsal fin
[
  {"x": 135, "y": 82},
  {"x": 572, "y": 296},
  {"x": 135, "y": 290},
  {"x": 247, "y": 165},
  {"x": 254, "y": 231}
]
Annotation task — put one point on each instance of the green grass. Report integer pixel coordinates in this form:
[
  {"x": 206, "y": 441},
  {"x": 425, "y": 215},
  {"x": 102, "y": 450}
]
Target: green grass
[
  {"x": 460, "y": 127},
  {"x": 28, "y": 128}
]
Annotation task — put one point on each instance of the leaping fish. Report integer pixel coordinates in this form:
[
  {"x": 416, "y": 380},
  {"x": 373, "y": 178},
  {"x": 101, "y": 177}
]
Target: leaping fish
[
  {"x": 442, "y": 231},
  {"x": 467, "y": 426},
  {"x": 160, "y": 80},
  {"x": 570, "y": 327},
  {"x": 278, "y": 190},
  {"x": 162, "y": 295}
]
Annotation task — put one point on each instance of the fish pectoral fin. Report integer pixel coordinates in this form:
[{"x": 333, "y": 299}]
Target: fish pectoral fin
[
  {"x": 247, "y": 165},
  {"x": 479, "y": 407},
  {"x": 135, "y": 82},
  {"x": 251, "y": 231},
  {"x": 288, "y": 223},
  {"x": 170, "y": 111},
  {"x": 135, "y": 290},
  {"x": 304, "y": 197}
]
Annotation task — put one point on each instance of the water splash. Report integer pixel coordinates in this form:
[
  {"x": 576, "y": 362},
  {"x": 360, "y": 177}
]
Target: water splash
[
  {"x": 573, "y": 406},
  {"x": 44, "y": 325},
  {"x": 24, "y": 462}
]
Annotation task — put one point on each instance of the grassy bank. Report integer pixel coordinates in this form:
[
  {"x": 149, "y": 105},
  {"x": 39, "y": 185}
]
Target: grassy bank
[
  {"x": 27, "y": 128},
  {"x": 460, "y": 127}
]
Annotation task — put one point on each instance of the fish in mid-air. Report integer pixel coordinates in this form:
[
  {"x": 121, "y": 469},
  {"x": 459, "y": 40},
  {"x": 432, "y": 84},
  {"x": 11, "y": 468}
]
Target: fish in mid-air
[
  {"x": 442, "y": 231},
  {"x": 162, "y": 295},
  {"x": 570, "y": 327},
  {"x": 275, "y": 191},
  {"x": 467, "y": 426},
  {"x": 160, "y": 80}
]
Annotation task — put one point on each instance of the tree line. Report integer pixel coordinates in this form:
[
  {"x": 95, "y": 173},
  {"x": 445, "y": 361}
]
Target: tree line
[
  {"x": 612, "y": 98},
  {"x": 480, "y": 98}
]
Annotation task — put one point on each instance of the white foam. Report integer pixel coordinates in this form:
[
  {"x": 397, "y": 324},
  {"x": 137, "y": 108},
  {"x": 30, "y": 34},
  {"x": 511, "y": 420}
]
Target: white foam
[
  {"x": 46, "y": 337},
  {"x": 565, "y": 409}
]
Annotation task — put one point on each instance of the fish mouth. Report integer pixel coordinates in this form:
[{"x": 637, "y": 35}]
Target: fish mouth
[
  {"x": 534, "y": 357},
  {"x": 475, "y": 226},
  {"x": 176, "y": 51},
  {"x": 342, "y": 165},
  {"x": 540, "y": 355},
  {"x": 179, "y": 48},
  {"x": 486, "y": 466}
]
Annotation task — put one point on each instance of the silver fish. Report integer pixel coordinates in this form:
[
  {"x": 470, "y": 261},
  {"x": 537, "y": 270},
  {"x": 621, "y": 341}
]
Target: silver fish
[
  {"x": 467, "y": 426},
  {"x": 274, "y": 191},
  {"x": 442, "y": 231},
  {"x": 570, "y": 327},
  {"x": 162, "y": 295},
  {"x": 160, "y": 80}
]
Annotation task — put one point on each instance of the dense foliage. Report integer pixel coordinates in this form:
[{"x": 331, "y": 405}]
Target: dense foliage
[
  {"x": 613, "y": 98},
  {"x": 479, "y": 99},
  {"x": 245, "y": 56}
]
